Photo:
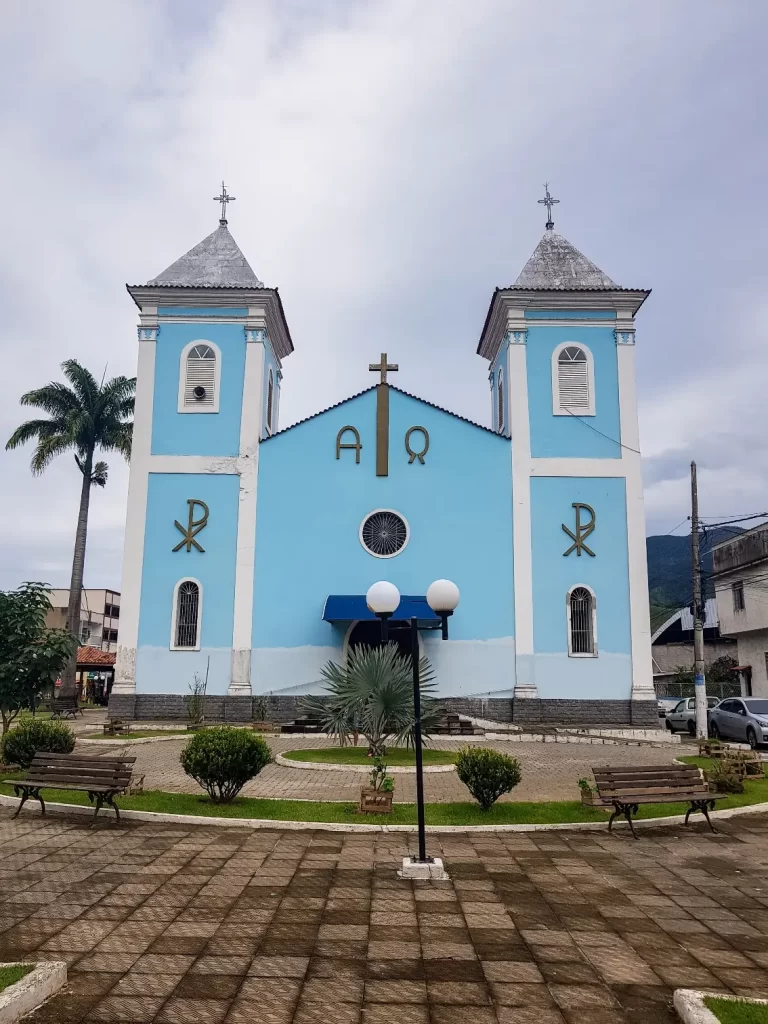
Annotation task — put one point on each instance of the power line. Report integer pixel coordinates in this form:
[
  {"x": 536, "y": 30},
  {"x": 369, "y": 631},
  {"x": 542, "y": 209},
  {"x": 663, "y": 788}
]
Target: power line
[{"x": 607, "y": 436}]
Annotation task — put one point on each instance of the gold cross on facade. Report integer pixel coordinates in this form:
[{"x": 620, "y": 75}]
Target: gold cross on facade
[{"x": 383, "y": 367}]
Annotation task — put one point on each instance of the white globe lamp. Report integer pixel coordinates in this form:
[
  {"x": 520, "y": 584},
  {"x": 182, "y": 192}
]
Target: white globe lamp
[
  {"x": 443, "y": 598},
  {"x": 382, "y": 599}
]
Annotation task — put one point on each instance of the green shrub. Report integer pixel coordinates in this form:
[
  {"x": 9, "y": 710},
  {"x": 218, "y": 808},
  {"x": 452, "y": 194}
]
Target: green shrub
[
  {"x": 21, "y": 744},
  {"x": 223, "y": 759},
  {"x": 487, "y": 774}
]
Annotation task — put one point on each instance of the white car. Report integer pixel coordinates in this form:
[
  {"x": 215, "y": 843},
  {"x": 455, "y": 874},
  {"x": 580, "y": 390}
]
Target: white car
[{"x": 682, "y": 718}]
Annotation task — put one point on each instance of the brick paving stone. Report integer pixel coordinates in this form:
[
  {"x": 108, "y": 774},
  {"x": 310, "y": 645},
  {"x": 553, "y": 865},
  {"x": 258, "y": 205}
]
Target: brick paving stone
[
  {"x": 397, "y": 1013},
  {"x": 193, "y": 1011},
  {"x": 126, "y": 1010}
]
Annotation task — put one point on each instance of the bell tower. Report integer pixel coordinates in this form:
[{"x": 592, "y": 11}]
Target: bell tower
[
  {"x": 212, "y": 338},
  {"x": 561, "y": 346}
]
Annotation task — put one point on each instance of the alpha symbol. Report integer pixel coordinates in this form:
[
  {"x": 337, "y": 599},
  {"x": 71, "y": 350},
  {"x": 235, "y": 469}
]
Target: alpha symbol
[
  {"x": 193, "y": 527},
  {"x": 583, "y": 530}
]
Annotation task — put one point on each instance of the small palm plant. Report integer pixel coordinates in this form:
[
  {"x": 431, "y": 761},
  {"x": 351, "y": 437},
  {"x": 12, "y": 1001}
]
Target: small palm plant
[
  {"x": 82, "y": 417},
  {"x": 372, "y": 693}
]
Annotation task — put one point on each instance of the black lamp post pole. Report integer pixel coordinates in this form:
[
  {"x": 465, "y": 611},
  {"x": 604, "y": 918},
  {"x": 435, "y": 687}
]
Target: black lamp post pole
[{"x": 417, "y": 740}]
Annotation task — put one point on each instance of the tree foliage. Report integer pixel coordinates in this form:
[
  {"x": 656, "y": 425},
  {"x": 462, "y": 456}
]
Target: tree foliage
[
  {"x": 31, "y": 655},
  {"x": 372, "y": 693},
  {"x": 83, "y": 416},
  {"x": 21, "y": 744},
  {"x": 223, "y": 759},
  {"x": 487, "y": 773}
]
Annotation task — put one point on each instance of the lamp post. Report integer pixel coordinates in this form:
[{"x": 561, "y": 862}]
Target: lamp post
[{"x": 383, "y": 599}]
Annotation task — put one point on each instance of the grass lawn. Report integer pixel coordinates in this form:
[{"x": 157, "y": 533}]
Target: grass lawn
[
  {"x": 464, "y": 813},
  {"x": 10, "y": 975},
  {"x": 136, "y": 734},
  {"x": 737, "y": 1011},
  {"x": 396, "y": 757}
]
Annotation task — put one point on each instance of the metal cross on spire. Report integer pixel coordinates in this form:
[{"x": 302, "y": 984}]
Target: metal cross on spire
[
  {"x": 224, "y": 198},
  {"x": 549, "y": 202}
]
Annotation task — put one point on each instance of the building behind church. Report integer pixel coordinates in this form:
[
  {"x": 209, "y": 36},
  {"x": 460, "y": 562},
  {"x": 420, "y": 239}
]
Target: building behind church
[{"x": 250, "y": 545}]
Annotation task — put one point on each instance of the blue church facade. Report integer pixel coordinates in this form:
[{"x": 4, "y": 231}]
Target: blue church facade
[{"x": 250, "y": 547}]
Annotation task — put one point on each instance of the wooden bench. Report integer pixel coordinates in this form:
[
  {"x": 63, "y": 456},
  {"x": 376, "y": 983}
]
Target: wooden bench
[
  {"x": 628, "y": 787},
  {"x": 63, "y": 707},
  {"x": 116, "y": 726},
  {"x": 102, "y": 778}
]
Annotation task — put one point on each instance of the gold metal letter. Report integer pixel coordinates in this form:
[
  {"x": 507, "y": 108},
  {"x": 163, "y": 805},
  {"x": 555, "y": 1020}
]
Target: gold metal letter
[
  {"x": 582, "y": 530},
  {"x": 193, "y": 527},
  {"x": 357, "y": 446},
  {"x": 417, "y": 455}
]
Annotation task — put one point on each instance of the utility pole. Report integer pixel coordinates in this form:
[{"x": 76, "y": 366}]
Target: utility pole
[{"x": 698, "y": 610}]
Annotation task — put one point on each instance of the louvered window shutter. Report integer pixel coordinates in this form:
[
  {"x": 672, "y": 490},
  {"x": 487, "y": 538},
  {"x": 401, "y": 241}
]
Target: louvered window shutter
[
  {"x": 573, "y": 380},
  {"x": 200, "y": 372}
]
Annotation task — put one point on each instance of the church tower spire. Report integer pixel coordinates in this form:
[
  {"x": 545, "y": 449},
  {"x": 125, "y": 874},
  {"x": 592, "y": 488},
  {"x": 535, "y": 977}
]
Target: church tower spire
[
  {"x": 212, "y": 340},
  {"x": 561, "y": 346}
]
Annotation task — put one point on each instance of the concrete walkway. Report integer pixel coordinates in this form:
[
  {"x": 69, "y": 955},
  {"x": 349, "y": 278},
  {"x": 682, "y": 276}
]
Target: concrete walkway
[
  {"x": 549, "y": 771},
  {"x": 179, "y": 924}
]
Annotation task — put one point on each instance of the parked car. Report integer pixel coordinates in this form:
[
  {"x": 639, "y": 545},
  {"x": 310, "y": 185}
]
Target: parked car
[
  {"x": 682, "y": 717},
  {"x": 740, "y": 718},
  {"x": 666, "y": 704}
]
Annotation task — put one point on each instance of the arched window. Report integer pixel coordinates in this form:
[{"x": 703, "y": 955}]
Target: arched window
[
  {"x": 573, "y": 381},
  {"x": 582, "y": 622},
  {"x": 500, "y": 401},
  {"x": 199, "y": 378},
  {"x": 187, "y": 615},
  {"x": 270, "y": 401}
]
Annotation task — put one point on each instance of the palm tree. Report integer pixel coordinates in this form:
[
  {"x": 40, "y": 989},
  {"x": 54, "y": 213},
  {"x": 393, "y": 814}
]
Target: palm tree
[
  {"x": 82, "y": 417},
  {"x": 372, "y": 693}
]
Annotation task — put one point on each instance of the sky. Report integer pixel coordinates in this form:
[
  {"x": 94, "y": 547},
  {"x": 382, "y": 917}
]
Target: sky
[{"x": 387, "y": 158}]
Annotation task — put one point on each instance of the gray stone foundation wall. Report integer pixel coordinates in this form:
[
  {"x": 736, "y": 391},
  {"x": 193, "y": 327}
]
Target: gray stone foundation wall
[{"x": 153, "y": 706}]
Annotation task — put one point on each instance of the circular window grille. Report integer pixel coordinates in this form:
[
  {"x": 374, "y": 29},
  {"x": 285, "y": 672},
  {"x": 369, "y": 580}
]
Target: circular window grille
[{"x": 384, "y": 533}]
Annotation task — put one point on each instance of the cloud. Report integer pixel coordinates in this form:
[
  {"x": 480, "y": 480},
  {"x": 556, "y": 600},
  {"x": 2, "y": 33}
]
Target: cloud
[{"x": 386, "y": 159}]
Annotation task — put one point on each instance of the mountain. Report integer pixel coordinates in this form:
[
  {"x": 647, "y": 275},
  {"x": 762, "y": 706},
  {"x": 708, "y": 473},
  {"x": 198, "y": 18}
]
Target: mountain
[{"x": 669, "y": 566}]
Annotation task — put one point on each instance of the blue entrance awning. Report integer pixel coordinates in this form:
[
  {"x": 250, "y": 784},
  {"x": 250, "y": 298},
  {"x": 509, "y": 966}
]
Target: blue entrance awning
[{"x": 352, "y": 608}]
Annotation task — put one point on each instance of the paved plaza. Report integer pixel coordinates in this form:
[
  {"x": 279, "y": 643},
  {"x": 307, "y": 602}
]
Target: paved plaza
[
  {"x": 550, "y": 770},
  {"x": 177, "y": 924}
]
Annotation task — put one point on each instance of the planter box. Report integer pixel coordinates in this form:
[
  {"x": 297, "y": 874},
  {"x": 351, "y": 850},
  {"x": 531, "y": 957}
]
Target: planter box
[
  {"x": 26, "y": 995},
  {"x": 591, "y": 799},
  {"x": 373, "y": 801},
  {"x": 264, "y": 727}
]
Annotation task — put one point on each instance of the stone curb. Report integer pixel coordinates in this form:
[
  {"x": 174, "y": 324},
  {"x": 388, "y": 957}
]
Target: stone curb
[
  {"x": 321, "y": 766},
  {"x": 689, "y": 1003},
  {"x": 130, "y": 742},
  {"x": 591, "y": 741},
  {"x": 26, "y": 995},
  {"x": 278, "y": 824}
]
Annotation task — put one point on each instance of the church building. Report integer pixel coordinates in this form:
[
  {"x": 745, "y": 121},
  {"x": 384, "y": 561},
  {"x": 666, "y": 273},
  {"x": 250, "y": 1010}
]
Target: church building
[{"x": 250, "y": 544}]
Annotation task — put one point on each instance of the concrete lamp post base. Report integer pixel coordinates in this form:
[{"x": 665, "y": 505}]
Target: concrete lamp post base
[{"x": 430, "y": 870}]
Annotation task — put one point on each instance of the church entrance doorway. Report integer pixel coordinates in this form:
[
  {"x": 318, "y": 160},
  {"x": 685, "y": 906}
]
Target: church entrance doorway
[{"x": 368, "y": 634}]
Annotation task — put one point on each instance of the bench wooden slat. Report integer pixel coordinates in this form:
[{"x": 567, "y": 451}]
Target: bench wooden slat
[
  {"x": 630, "y": 786},
  {"x": 104, "y": 778}
]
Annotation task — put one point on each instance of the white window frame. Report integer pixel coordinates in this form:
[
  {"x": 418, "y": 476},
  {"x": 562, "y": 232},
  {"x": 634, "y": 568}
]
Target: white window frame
[
  {"x": 175, "y": 610},
  {"x": 181, "y": 407},
  {"x": 269, "y": 413},
  {"x": 571, "y": 652},
  {"x": 559, "y": 410},
  {"x": 501, "y": 404}
]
